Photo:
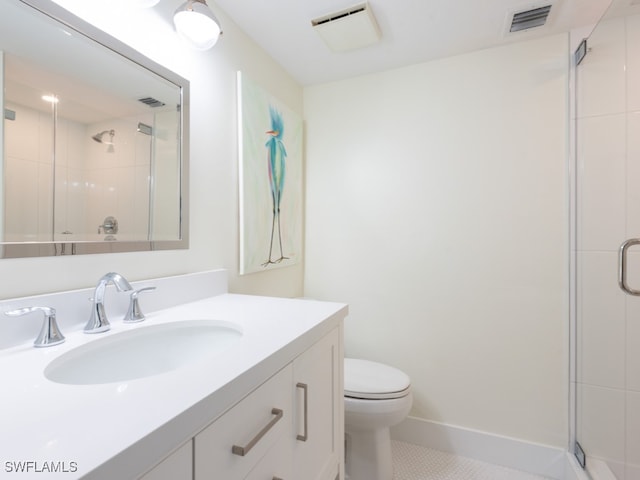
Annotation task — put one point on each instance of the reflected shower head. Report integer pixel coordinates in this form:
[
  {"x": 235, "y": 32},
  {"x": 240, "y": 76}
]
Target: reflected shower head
[{"x": 98, "y": 136}]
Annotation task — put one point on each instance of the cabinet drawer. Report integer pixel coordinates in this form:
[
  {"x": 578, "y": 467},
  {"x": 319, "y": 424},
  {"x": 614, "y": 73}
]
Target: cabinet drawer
[
  {"x": 276, "y": 463},
  {"x": 250, "y": 429},
  {"x": 177, "y": 465}
]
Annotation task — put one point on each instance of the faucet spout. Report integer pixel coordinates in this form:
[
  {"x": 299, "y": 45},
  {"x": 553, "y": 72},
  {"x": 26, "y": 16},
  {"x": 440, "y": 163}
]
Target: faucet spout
[{"x": 98, "y": 321}]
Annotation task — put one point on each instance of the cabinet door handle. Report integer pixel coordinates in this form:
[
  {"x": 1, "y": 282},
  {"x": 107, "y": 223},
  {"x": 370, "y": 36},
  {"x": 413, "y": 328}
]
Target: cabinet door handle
[
  {"x": 242, "y": 451},
  {"x": 305, "y": 390}
]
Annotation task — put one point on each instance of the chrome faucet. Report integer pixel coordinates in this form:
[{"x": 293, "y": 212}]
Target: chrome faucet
[{"x": 98, "y": 321}]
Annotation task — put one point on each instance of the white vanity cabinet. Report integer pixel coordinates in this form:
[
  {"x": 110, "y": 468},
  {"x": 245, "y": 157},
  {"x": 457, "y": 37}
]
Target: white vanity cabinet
[
  {"x": 318, "y": 411},
  {"x": 276, "y": 464},
  {"x": 289, "y": 428},
  {"x": 280, "y": 383},
  {"x": 178, "y": 465}
]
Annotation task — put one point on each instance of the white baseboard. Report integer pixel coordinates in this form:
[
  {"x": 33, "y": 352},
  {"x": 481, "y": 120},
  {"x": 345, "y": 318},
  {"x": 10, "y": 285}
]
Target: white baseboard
[{"x": 529, "y": 457}]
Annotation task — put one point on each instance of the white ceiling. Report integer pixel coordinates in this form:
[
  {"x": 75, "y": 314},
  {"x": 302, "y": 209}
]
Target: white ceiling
[{"x": 413, "y": 31}]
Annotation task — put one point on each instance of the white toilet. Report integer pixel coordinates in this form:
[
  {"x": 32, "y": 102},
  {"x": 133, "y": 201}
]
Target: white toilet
[{"x": 376, "y": 397}]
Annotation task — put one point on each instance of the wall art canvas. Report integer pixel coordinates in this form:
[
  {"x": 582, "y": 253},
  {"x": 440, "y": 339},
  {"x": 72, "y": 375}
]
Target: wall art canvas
[{"x": 270, "y": 148}]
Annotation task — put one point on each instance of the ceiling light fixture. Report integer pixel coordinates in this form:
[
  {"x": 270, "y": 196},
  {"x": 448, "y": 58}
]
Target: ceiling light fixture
[{"x": 196, "y": 24}]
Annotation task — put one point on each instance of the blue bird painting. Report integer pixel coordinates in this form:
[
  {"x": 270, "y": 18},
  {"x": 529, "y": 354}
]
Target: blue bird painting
[
  {"x": 277, "y": 166},
  {"x": 270, "y": 137}
]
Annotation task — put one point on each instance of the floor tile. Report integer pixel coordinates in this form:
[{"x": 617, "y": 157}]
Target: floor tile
[{"x": 412, "y": 462}]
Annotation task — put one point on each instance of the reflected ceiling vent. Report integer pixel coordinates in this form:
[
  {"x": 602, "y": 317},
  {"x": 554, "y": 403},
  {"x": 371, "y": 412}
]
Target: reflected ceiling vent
[
  {"x": 535, "y": 17},
  {"x": 348, "y": 29},
  {"x": 152, "y": 102}
]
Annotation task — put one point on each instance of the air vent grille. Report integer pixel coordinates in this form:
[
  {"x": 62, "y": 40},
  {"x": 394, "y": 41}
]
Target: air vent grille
[
  {"x": 152, "y": 102},
  {"x": 530, "y": 18},
  {"x": 338, "y": 15},
  {"x": 348, "y": 29}
]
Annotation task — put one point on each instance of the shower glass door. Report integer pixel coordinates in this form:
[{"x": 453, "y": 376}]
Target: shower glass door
[{"x": 608, "y": 214}]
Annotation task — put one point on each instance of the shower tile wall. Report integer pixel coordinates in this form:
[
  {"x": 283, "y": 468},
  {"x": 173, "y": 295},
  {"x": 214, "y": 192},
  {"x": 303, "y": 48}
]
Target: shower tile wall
[
  {"x": 90, "y": 182},
  {"x": 27, "y": 159},
  {"x": 119, "y": 180},
  {"x": 608, "y": 127}
]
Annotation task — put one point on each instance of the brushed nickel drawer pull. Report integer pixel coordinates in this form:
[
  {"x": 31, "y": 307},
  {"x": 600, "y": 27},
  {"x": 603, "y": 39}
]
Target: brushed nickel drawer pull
[
  {"x": 242, "y": 451},
  {"x": 305, "y": 388}
]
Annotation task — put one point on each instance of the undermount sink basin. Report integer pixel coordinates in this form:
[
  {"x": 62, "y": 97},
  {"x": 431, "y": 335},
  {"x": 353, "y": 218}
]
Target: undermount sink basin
[{"x": 142, "y": 352}]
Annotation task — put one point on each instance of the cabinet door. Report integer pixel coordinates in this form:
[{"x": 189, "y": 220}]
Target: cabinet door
[
  {"x": 319, "y": 410},
  {"x": 177, "y": 465},
  {"x": 232, "y": 446}
]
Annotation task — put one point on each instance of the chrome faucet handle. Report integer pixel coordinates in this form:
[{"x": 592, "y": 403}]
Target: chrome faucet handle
[
  {"x": 134, "y": 313},
  {"x": 49, "y": 333}
]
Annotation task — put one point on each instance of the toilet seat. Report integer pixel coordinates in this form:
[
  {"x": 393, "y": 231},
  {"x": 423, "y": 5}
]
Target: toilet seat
[{"x": 374, "y": 381}]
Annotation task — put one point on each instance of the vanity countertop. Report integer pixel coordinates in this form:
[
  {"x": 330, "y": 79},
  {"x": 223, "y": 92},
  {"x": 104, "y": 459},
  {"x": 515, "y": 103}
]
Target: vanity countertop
[{"x": 119, "y": 430}]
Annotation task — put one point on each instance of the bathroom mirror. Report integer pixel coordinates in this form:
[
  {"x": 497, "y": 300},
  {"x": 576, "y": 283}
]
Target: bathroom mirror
[{"x": 94, "y": 140}]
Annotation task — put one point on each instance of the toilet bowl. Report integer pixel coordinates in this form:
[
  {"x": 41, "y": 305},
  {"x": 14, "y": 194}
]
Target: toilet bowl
[{"x": 376, "y": 397}]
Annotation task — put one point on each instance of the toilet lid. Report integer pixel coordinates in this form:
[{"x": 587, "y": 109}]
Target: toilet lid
[{"x": 376, "y": 381}]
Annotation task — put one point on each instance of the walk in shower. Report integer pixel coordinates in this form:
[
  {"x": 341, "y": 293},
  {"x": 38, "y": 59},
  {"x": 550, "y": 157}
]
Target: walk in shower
[
  {"x": 75, "y": 180},
  {"x": 607, "y": 214}
]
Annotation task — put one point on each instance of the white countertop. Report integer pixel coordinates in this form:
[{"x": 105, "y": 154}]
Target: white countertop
[{"x": 119, "y": 430}]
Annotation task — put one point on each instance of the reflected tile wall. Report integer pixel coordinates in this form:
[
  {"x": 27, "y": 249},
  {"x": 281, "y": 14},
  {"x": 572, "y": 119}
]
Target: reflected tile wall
[
  {"x": 90, "y": 182},
  {"x": 30, "y": 170}
]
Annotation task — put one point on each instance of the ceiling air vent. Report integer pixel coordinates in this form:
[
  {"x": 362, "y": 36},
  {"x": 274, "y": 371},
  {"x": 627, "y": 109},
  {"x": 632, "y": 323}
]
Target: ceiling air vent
[
  {"x": 338, "y": 15},
  {"x": 348, "y": 29},
  {"x": 152, "y": 102},
  {"x": 535, "y": 17}
]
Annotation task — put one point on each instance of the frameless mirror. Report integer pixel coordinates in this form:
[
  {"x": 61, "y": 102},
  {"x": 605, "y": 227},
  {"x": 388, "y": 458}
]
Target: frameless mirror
[{"x": 94, "y": 140}]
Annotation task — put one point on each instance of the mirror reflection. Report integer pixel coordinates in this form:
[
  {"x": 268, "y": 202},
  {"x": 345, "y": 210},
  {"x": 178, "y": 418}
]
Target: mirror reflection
[{"x": 91, "y": 142}]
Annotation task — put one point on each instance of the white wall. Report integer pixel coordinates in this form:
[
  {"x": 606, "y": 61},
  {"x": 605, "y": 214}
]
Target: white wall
[
  {"x": 608, "y": 129},
  {"x": 213, "y": 179},
  {"x": 437, "y": 208}
]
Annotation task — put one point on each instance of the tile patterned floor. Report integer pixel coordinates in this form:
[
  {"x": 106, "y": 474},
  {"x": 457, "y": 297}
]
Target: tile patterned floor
[{"x": 412, "y": 462}]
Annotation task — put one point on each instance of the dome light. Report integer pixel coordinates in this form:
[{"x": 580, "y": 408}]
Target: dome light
[{"x": 197, "y": 25}]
